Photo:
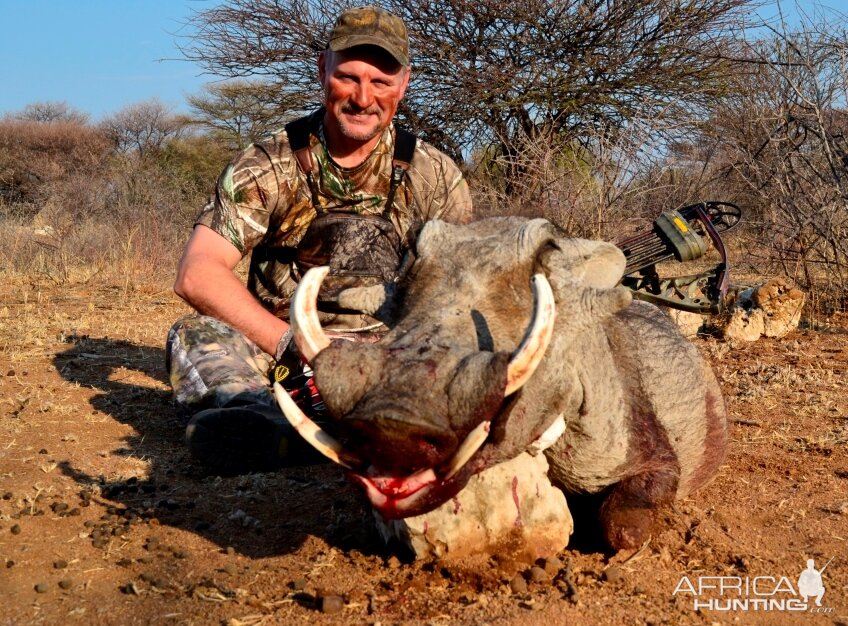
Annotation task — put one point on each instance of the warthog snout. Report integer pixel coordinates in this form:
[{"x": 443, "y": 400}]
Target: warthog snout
[{"x": 402, "y": 441}]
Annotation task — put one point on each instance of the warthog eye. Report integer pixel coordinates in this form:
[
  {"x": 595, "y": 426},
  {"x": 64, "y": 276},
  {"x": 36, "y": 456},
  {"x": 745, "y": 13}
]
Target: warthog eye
[{"x": 433, "y": 442}]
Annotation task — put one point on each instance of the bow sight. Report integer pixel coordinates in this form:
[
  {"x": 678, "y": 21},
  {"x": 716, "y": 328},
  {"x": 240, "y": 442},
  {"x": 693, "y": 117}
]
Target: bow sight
[{"x": 680, "y": 234}]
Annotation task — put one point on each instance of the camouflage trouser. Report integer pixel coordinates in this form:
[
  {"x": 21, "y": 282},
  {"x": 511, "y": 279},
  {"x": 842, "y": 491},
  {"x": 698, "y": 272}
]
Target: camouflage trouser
[{"x": 210, "y": 364}]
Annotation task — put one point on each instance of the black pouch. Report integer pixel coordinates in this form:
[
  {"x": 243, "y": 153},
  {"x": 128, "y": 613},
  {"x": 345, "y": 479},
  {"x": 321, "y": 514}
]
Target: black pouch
[{"x": 360, "y": 250}]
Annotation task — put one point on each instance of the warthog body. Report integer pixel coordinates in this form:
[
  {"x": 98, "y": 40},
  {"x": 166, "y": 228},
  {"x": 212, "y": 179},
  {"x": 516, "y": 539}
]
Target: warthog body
[{"x": 644, "y": 417}]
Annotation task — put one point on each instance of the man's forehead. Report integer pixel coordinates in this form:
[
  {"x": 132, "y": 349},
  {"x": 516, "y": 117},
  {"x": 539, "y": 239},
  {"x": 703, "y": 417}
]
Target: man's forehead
[{"x": 372, "y": 55}]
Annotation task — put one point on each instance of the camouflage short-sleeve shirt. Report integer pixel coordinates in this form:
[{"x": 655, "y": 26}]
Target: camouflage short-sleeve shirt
[{"x": 263, "y": 206}]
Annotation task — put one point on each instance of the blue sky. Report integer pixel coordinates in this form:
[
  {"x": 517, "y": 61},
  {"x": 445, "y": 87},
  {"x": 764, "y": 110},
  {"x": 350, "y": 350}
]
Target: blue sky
[
  {"x": 97, "y": 55},
  {"x": 101, "y": 55}
]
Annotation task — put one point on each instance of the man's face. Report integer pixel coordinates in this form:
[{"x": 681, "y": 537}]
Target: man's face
[{"x": 362, "y": 89}]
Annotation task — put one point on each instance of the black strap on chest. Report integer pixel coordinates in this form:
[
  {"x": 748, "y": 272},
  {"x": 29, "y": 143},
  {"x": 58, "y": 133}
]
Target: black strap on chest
[
  {"x": 298, "y": 133},
  {"x": 404, "y": 150}
]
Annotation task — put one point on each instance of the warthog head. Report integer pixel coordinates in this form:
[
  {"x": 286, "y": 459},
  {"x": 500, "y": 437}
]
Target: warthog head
[{"x": 473, "y": 368}]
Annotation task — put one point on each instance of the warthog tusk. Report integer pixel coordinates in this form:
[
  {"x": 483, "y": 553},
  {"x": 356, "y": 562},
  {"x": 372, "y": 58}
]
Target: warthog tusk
[
  {"x": 547, "y": 438},
  {"x": 526, "y": 358},
  {"x": 467, "y": 449},
  {"x": 309, "y": 430},
  {"x": 303, "y": 315}
]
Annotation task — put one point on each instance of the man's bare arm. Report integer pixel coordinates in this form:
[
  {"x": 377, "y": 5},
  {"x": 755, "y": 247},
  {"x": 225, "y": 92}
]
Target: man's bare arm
[{"x": 206, "y": 281}]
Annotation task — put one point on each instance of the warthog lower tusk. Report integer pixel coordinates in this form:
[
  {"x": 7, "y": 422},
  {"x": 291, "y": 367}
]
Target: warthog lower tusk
[
  {"x": 467, "y": 449},
  {"x": 303, "y": 314},
  {"x": 309, "y": 430},
  {"x": 526, "y": 358},
  {"x": 547, "y": 438}
]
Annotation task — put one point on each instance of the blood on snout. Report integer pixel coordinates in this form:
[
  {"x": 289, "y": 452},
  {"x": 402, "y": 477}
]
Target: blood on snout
[{"x": 398, "y": 443}]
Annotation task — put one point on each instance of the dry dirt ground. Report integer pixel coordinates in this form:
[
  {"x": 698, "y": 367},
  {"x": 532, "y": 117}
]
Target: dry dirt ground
[{"x": 105, "y": 520}]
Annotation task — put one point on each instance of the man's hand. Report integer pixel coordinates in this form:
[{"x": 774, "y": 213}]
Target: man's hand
[{"x": 206, "y": 281}]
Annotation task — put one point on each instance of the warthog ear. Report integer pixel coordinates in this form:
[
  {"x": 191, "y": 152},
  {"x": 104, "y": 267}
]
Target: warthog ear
[
  {"x": 594, "y": 264},
  {"x": 377, "y": 301}
]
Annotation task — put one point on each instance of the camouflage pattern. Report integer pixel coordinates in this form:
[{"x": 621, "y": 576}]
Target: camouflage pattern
[
  {"x": 371, "y": 26},
  {"x": 212, "y": 365},
  {"x": 263, "y": 207}
]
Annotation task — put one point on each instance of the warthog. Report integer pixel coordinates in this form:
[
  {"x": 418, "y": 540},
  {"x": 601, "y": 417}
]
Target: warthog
[{"x": 457, "y": 384}]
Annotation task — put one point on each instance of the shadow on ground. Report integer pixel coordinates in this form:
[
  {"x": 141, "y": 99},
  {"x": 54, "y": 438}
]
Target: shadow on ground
[{"x": 258, "y": 515}]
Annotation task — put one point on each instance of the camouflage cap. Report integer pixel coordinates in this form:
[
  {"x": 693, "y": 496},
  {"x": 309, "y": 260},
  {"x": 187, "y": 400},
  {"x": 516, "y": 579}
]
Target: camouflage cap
[{"x": 371, "y": 26}]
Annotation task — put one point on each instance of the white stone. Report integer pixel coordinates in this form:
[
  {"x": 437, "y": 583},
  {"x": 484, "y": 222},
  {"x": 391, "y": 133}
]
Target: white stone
[
  {"x": 690, "y": 324},
  {"x": 781, "y": 304},
  {"x": 745, "y": 322},
  {"x": 772, "y": 309},
  {"x": 510, "y": 508}
]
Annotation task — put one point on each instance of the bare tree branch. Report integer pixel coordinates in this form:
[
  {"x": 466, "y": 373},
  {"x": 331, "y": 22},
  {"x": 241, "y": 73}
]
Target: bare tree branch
[{"x": 497, "y": 73}]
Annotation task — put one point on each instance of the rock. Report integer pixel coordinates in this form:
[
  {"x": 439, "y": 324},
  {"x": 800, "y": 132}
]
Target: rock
[
  {"x": 772, "y": 309},
  {"x": 40, "y": 588},
  {"x": 66, "y": 583},
  {"x": 512, "y": 506},
  {"x": 153, "y": 580},
  {"x": 782, "y": 303},
  {"x": 690, "y": 324},
  {"x": 743, "y": 322},
  {"x": 331, "y": 604},
  {"x": 613, "y": 574},
  {"x": 538, "y": 575},
  {"x": 16, "y": 529},
  {"x": 518, "y": 584},
  {"x": 552, "y": 565}
]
